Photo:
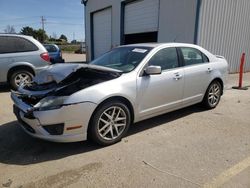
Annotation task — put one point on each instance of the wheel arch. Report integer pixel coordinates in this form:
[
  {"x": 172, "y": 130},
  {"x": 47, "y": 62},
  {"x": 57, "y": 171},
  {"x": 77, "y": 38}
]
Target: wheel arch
[
  {"x": 115, "y": 98},
  {"x": 19, "y": 67},
  {"x": 221, "y": 83}
]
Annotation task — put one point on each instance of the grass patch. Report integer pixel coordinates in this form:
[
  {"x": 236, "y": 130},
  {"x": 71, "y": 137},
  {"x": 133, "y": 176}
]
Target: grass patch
[{"x": 69, "y": 48}]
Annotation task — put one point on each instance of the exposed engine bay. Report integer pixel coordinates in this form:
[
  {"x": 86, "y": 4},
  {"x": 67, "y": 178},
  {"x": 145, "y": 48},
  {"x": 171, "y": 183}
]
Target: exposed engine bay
[{"x": 64, "y": 80}]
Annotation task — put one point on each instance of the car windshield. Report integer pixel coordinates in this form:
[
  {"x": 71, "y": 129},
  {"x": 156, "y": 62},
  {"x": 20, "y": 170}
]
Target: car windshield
[{"x": 124, "y": 59}]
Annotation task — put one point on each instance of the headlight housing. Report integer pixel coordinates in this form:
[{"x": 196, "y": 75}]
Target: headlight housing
[{"x": 50, "y": 103}]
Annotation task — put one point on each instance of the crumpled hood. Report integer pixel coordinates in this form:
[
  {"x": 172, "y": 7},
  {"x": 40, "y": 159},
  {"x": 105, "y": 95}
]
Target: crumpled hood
[
  {"x": 64, "y": 80},
  {"x": 58, "y": 72}
]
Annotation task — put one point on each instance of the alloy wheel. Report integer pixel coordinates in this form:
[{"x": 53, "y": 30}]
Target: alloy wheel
[
  {"x": 22, "y": 78},
  {"x": 214, "y": 94},
  {"x": 112, "y": 123}
]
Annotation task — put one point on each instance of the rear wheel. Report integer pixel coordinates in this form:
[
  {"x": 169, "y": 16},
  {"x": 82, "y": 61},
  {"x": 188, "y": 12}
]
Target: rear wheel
[
  {"x": 52, "y": 61},
  {"x": 110, "y": 123},
  {"x": 20, "y": 76},
  {"x": 213, "y": 95}
]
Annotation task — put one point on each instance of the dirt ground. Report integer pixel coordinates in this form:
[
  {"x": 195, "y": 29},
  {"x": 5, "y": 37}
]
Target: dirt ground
[{"x": 186, "y": 148}]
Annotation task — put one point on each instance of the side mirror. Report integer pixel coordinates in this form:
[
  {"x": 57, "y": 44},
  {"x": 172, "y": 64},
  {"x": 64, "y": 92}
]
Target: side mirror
[{"x": 152, "y": 70}]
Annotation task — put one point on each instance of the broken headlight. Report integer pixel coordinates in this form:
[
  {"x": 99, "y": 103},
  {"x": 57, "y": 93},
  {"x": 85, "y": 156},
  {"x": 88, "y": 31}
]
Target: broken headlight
[{"x": 50, "y": 103}]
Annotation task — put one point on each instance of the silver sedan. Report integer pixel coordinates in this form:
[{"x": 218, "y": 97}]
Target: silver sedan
[{"x": 100, "y": 100}]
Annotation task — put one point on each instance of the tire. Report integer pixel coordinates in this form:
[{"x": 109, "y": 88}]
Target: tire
[
  {"x": 103, "y": 125},
  {"x": 17, "y": 76},
  {"x": 213, "y": 95},
  {"x": 53, "y": 61}
]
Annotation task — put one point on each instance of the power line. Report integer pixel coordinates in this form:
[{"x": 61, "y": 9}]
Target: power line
[
  {"x": 21, "y": 24},
  {"x": 63, "y": 23},
  {"x": 43, "y": 22},
  {"x": 37, "y": 23},
  {"x": 20, "y": 18},
  {"x": 61, "y": 17},
  {"x": 24, "y": 24},
  {"x": 58, "y": 17}
]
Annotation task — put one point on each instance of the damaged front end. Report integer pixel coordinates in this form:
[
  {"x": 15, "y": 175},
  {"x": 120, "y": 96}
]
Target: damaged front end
[
  {"x": 38, "y": 105},
  {"x": 51, "y": 87}
]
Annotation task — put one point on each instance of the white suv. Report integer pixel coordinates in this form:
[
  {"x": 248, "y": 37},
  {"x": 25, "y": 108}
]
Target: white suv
[{"x": 21, "y": 57}]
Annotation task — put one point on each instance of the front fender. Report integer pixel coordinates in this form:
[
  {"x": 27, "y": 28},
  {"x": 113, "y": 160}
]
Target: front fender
[{"x": 124, "y": 86}]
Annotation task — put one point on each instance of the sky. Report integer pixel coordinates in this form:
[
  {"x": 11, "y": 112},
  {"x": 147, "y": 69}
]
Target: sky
[{"x": 62, "y": 16}]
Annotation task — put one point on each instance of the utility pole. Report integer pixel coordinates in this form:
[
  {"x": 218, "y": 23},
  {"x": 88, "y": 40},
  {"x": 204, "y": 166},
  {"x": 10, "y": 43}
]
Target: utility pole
[{"x": 43, "y": 21}]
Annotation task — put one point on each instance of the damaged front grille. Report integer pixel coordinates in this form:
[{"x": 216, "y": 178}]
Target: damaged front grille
[{"x": 30, "y": 101}]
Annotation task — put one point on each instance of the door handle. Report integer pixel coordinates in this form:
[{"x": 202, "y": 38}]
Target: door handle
[
  {"x": 177, "y": 76},
  {"x": 209, "y": 70}
]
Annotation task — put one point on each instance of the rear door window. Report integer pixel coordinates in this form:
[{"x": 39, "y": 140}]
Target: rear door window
[
  {"x": 193, "y": 56},
  {"x": 9, "y": 44}
]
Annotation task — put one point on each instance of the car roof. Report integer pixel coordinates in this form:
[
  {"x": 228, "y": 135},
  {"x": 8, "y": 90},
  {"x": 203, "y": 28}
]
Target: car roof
[
  {"x": 51, "y": 45},
  {"x": 154, "y": 45},
  {"x": 15, "y": 35},
  {"x": 172, "y": 44}
]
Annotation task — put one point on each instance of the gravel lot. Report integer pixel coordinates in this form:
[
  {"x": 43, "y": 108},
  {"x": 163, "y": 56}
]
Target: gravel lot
[{"x": 186, "y": 148}]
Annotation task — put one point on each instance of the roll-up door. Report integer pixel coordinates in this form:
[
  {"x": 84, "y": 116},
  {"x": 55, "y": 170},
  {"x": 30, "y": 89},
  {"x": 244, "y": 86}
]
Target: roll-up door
[
  {"x": 141, "y": 16},
  {"x": 102, "y": 35}
]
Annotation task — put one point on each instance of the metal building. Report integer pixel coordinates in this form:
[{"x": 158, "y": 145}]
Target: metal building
[{"x": 221, "y": 26}]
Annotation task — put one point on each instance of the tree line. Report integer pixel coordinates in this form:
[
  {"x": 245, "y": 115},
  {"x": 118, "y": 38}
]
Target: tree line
[{"x": 38, "y": 34}]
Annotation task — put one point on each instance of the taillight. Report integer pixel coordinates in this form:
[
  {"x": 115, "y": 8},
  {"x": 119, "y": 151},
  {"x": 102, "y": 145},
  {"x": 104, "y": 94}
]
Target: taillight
[{"x": 45, "y": 56}]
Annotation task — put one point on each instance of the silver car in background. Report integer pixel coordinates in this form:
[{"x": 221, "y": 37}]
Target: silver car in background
[
  {"x": 21, "y": 57},
  {"x": 70, "y": 102}
]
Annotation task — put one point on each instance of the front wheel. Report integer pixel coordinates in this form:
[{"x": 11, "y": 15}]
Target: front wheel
[
  {"x": 110, "y": 123},
  {"x": 213, "y": 95}
]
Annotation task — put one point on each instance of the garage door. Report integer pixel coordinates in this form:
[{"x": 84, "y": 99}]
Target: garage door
[
  {"x": 141, "y": 16},
  {"x": 102, "y": 32}
]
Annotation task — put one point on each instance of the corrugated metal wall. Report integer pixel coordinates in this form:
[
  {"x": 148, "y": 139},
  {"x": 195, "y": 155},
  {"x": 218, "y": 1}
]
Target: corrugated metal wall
[{"x": 224, "y": 29}]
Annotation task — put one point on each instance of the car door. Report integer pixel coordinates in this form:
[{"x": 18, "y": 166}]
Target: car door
[
  {"x": 6, "y": 57},
  {"x": 163, "y": 92},
  {"x": 4, "y": 61},
  {"x": 197, "y": 70}
]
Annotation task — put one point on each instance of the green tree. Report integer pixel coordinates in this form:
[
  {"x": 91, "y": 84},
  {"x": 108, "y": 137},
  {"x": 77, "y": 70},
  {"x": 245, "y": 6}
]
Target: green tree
[
  {"x": 41, "y": 35},
  {"x": 63, "y": 37},
  {"x": 37, "y": 34},
  {"x": 28, "y": 31}
]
